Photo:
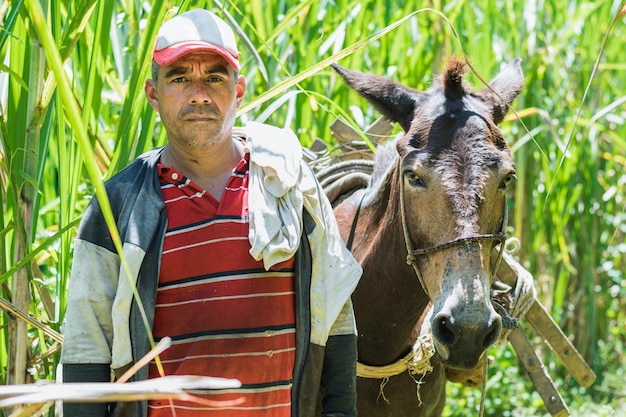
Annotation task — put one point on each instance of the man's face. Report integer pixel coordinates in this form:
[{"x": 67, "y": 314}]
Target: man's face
[{"x": 197, "y": 98}]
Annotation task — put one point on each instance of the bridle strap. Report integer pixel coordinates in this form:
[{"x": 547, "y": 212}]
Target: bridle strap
[
  {"x": 354, "y": 222},
  {"x": 407, "y": 237},
  {"x": 496, "y": 236}
]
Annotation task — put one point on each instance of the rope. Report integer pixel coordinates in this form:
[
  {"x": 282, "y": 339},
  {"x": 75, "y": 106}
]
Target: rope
[
  {"x": 385, "y": 371},
  {"x": 479, "y": 238},
  {"x": 517, "y": 299},
  {"x": 483, "y": 390},
  {"x": 417, "y": 362}
]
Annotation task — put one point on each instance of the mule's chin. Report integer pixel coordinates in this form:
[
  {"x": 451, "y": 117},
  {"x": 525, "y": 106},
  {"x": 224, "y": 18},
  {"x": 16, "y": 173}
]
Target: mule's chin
[
  {"x": 472, "y": 378},
  {"x": 461, "y": 359}
]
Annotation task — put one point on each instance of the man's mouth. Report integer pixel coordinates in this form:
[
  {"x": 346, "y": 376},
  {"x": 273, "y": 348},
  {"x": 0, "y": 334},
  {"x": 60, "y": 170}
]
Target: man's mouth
[
  {"x": 199, "y": 116},
  {"x": 199, "y": 119}
]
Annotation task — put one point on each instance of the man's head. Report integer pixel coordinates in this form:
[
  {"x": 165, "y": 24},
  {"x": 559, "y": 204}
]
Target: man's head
[
  {"x": 196, "y": 87},
  {"x": 195, "y": 30}
]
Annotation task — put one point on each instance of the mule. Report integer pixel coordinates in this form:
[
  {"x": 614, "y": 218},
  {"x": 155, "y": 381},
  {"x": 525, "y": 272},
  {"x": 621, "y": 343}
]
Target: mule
[{"x": 424, "y": 230}]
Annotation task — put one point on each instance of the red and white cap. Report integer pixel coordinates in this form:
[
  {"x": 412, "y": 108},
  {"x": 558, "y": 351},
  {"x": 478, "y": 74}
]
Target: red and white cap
[{"x": 195, "y": 30}]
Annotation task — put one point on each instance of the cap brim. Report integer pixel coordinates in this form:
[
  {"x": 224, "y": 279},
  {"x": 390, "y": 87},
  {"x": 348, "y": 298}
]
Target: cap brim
[{"x": 170, "y": 54}]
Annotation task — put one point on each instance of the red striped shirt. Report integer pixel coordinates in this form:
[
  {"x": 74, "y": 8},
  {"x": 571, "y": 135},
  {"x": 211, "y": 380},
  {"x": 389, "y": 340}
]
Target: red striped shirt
[{"x": 226, "y": 315}]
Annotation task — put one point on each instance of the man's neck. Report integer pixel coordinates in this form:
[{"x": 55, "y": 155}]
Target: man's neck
[{"x": 210, "y": 168}]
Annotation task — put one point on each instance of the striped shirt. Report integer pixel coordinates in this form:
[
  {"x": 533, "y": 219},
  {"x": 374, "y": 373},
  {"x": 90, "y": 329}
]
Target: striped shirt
[{"x": 227, "y": 316}]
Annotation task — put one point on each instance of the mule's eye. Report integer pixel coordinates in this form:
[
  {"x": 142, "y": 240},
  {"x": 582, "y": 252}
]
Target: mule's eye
[
  {"x": 414, "y": 179},
  {"x": 505, "y": 182}
]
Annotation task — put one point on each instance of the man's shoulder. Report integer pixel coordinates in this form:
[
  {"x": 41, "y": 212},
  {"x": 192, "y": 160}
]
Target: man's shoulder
[
  {"x": 144, "y": 162},
  {"x": 136, "y": 178}
]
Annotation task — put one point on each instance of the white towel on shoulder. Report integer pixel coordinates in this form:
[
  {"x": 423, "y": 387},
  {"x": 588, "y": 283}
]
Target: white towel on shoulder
[
  {"x": 280, "y": 186},
  {"x": 275, "y": 202}
]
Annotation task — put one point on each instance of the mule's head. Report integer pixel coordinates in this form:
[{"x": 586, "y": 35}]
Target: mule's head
[{"x": 454, "y": 168}]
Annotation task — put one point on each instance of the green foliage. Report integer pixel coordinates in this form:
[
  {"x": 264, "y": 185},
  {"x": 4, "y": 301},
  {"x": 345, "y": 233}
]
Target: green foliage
[
  {"x": 72, "y": 112},
  {"x": 510, "y": 393}
]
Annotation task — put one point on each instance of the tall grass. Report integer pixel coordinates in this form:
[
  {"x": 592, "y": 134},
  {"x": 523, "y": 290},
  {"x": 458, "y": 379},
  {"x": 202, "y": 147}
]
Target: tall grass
[{"x": 68, "y": 123}]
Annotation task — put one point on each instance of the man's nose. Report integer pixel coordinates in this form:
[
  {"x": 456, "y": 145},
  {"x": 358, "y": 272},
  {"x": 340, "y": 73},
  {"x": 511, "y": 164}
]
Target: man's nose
[{"x": 199, "y": 93}]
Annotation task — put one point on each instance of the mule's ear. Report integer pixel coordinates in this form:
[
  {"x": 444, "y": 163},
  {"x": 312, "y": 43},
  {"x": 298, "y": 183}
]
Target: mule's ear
[
  {"x": 508, "y": 84},
  {"x": 393, "y": 100}
]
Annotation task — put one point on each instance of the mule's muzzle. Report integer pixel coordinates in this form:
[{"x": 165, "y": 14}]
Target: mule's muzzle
[{"x": 460, "y": 341}]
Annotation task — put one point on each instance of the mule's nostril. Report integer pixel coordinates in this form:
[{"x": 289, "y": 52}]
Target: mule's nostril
[
  {"x": 493, "y": 333},
  {"x": 443, "y": 329}
]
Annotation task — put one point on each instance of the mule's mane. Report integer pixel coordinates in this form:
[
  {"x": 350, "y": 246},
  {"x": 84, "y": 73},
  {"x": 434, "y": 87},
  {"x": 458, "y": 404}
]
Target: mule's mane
[
  {"x": 386, "y": 155},
  {"x": 452, "y": 78}
]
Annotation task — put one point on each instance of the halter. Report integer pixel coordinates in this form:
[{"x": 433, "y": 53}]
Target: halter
[
  {"x": 401, "y": 365},
  {"x": 413, "y": 253}
]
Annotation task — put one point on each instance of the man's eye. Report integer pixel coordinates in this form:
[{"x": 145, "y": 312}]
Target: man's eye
[{"x": 178, "y": 80}]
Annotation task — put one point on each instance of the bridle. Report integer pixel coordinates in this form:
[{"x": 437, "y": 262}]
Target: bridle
[
  {"x": 508, "y": 322},
  {"x": 412, "y": 253},
  {"x": 500, "y": 237}
]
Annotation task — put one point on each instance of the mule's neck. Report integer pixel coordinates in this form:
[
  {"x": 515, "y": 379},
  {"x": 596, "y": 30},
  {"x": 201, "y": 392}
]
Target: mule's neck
[{"x": 389, "y": 299}]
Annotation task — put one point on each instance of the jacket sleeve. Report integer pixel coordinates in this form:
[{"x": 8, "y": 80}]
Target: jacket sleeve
[
  {"x": 87, "y": 329},
  {"x": 86, "y": 373},
  {"x": 88, "y": 326},
  {"x": 338, "y": 385}
]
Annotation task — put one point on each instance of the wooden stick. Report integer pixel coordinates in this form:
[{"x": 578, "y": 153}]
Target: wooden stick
[
  {"x": 164, "y": 344},
  {"x": 560, "y": 344},
  {"x": 543, "y": 323},
  {"x": 537, "y": 372},
  {"x": 162, "y": 388}
]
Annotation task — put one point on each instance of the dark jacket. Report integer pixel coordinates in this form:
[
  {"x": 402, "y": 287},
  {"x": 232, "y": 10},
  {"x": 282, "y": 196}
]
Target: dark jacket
[{"x": 102, "y": 320}]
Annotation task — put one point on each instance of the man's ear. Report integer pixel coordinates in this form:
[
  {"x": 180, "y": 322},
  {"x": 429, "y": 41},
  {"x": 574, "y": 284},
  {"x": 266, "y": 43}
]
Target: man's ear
[
  {"x": 240, "y": 89},
  {"x": 151, "y": 94}
]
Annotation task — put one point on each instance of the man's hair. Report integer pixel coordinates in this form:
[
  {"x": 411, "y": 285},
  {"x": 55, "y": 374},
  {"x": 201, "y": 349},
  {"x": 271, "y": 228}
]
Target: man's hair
[{"x": 155, "y": 72}]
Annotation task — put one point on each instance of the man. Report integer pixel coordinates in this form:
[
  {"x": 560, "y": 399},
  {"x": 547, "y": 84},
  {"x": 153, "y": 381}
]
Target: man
[{"x": 233, "y": 249}]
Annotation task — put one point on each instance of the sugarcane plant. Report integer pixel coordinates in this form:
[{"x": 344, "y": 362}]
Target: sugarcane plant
[{"x": 73, "y": 113}]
